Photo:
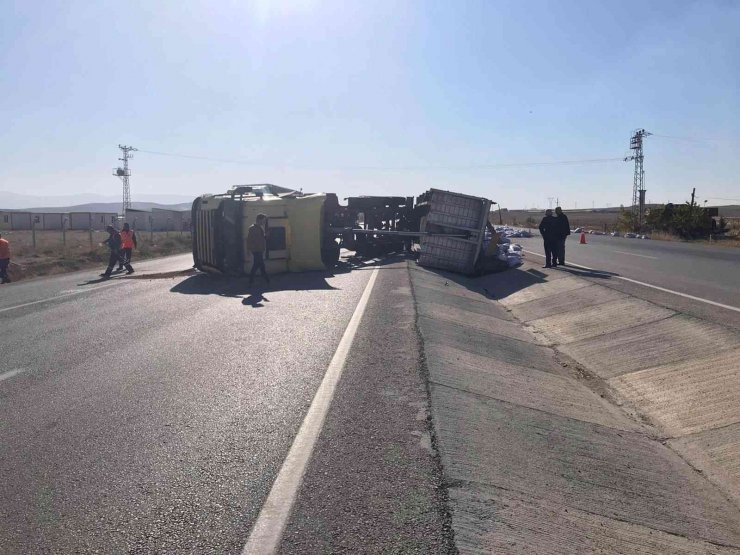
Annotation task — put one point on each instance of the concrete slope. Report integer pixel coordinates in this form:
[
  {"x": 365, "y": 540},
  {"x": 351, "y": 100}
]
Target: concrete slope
[
  {"x": 535, "y": 459},
  {"x": 690, "y": 396},
  {"x": 679, "y": 372},
  {"x": 667, "y": 341}
]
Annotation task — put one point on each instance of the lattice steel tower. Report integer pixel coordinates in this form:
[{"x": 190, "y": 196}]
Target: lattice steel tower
[
  {"x": 124, "y": 173},
  {"x": 638, "y": 182}
]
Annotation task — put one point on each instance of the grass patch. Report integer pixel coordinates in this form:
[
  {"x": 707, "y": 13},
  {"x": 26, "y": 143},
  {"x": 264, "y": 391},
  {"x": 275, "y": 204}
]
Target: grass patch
[
  {"x": 727, "y": 240},
  {"x": 54, "y": 253}
]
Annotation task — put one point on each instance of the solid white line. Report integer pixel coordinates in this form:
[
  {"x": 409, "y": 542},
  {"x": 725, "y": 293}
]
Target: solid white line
[
  {"x": 12, "y": 373},
  {"x": 692, "y": 297},
  {"x": 268, "y": 530},
  {"x": 62, "y": 296},
  {"x": 640, "y": 255}
]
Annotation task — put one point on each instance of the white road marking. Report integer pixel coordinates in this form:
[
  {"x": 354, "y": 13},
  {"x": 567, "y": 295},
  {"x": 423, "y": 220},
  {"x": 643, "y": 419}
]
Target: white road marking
[
  {"x": 640, "y": 255},
  {"x": 268, "y": 530},
  {"x": 686, "y": 295},
  {"x": 61, "y": 296},
  {"x": 12, "y": 373}
]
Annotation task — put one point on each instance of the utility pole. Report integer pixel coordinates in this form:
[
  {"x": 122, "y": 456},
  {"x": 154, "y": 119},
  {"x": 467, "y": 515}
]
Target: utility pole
[
  {"x": 693, "y": 194},
  {"x": 124, "y": 173},
  {"x": 638, "y": 181}
]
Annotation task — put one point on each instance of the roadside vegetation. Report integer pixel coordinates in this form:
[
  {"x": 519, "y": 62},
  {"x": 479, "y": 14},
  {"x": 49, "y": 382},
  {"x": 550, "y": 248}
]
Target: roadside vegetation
[
  {"x": 55, "y": 253},
  {"x": 684, "y": 222}
]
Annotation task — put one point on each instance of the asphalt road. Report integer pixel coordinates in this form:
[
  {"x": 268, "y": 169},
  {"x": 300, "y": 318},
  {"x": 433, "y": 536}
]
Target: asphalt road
[
  {"x": 703, "y": 271},
  {"x": 153, "y": 415}
]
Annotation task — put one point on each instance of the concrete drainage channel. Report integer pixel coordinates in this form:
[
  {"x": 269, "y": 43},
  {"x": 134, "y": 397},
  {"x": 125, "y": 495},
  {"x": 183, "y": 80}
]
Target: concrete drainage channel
[{"x": 572, "y": 418}]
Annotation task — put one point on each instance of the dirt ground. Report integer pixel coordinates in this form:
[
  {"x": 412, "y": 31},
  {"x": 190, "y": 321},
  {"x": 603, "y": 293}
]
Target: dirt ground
[{"x": 77, "y": 250}]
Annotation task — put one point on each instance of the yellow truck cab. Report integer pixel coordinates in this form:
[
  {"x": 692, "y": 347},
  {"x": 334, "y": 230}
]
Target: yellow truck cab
[{"x": 299, "y": 237}]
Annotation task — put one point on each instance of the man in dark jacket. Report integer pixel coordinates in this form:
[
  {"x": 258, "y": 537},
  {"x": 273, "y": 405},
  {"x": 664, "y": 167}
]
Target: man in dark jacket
[
  {"x": 257, "y": 245},
  {"x": 114, "y": 244},
  {"x": 550, "y": 232},
  {"x": 564, "y": 227}
]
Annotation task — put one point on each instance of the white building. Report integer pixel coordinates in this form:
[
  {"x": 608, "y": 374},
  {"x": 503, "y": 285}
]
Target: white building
[
  {"x": 48, "y": 220},
  {"x": 92, "y": 220},
  {"x": 17, "y": 221}
]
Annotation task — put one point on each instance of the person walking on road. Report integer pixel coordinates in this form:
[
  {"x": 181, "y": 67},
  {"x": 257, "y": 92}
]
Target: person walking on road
[
  {"x": 550, "y": 231},
  {"x": 128, "y": 244},
  {"x": 564, "y": 227},
  {"x": 114, "y": 244},
  {"x": 257, "y": 245},
  {"x": 4, "y": 259}
]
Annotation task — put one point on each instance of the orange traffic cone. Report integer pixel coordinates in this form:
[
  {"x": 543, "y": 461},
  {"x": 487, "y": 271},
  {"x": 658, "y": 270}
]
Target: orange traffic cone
[{"x": 583, "y": 238}]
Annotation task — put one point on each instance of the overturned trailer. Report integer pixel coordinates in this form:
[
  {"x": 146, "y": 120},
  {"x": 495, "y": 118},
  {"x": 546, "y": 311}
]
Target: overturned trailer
[
  {"x": 307, "y": 231},
  {"x": 453, "y": 230}
]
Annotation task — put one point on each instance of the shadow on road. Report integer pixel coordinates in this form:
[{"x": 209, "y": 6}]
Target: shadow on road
[
  {"x": 356, "y": 263},
  {"x": 582, "y": 272},
  {"x": 238, "y": 286},
  {"x": 503, "y": 284},
  {"x": 99, "y": 280},
  {"x": 255, "y": 300},
  {"x": 225, "y": 286}
]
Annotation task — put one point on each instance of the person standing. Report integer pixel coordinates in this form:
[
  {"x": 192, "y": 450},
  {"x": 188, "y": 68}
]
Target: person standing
[
  {"x": 564, "y": 227},
  {"x": 257, "y": 245},
  {"x": 114, "y": 244},
  {"x": 550, "y": 232},
  {"x": 128, "y": 244},
  {"x": 4, "y": 259}
]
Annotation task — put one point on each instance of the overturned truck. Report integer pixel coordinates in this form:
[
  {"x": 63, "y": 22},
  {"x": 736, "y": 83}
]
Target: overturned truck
[
  {"x": 299, "y": 237},
  {"x": 307, "y": 231}
]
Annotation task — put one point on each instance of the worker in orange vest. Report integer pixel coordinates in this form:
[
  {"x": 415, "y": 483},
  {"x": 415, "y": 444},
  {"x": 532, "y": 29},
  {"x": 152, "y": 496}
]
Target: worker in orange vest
[
  {"x": 4, "y": 259},
  {"x": 128, "y": 243}
]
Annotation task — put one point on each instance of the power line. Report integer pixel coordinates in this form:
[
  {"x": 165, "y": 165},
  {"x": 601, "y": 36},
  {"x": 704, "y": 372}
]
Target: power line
[
  {"x": 394, "y": 168},
  {"x": 689, "y": 139}
]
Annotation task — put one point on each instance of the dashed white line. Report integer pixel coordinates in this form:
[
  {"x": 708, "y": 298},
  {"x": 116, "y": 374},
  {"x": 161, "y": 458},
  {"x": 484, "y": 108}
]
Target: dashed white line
[
  {"x": 640, "y": 255},
  {"x": 686, "y": 295},
  {"x": 12, "y": 373},
  {"x": 268, "y": 530},
  {"x": 62, "y": 296}
]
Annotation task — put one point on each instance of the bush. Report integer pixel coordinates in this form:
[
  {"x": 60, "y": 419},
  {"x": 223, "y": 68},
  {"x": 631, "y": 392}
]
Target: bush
[{"x": 684, "y": 220}]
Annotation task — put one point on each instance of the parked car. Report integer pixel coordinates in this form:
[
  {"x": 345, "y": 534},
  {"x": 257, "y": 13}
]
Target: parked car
[
  {"x": 631, "y": 235},
  {"x": 578, "y": 230},
  {"x": 615, "y": 234}
]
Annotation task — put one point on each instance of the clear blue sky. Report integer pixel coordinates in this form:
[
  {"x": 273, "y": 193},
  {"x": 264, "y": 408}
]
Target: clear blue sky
[{"x": 382, "y": 97}]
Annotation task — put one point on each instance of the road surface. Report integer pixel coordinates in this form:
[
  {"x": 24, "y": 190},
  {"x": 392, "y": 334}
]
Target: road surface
[{"x": 153, "y": 415}]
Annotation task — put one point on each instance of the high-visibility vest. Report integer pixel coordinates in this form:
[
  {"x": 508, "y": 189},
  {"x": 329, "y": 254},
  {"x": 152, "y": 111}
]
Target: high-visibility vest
[{"x": 127, "y": 239}]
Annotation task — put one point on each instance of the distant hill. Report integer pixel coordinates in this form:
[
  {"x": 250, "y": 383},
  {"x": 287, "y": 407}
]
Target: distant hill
[{"x": 64, "y": 203}]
